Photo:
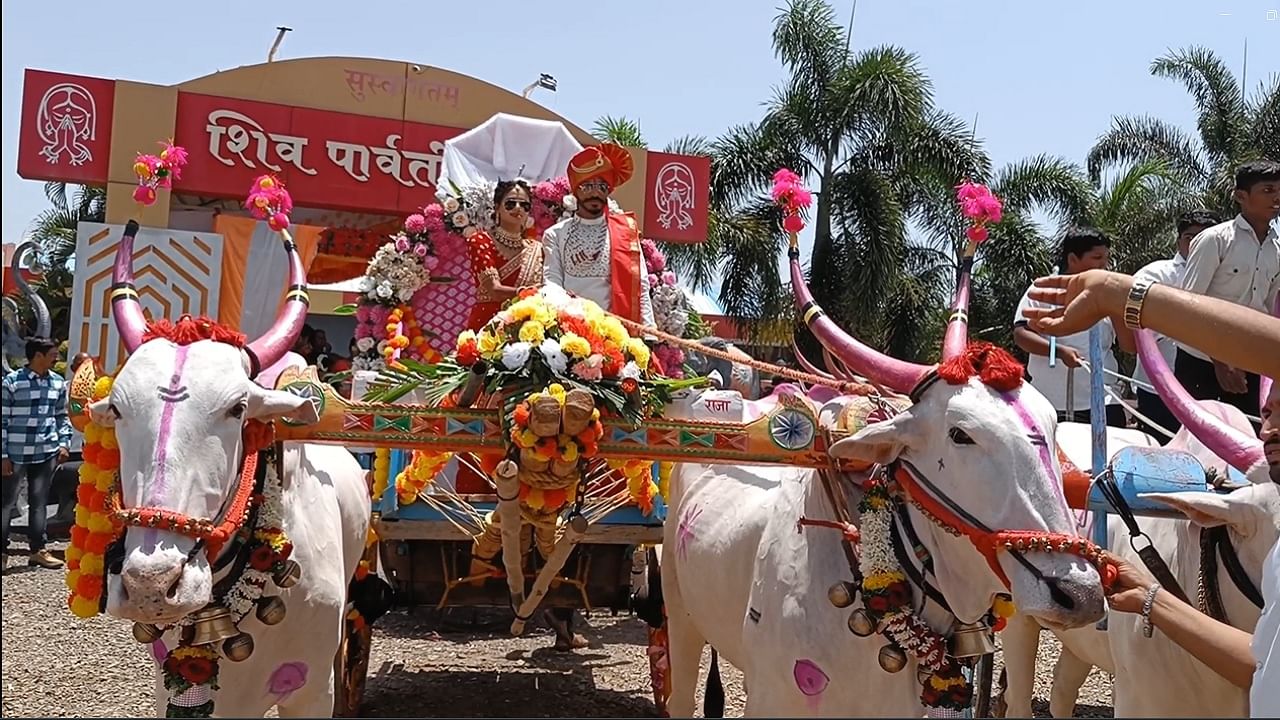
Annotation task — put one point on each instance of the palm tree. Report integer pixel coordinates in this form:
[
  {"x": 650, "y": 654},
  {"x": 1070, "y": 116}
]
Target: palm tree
[
  {"x": 1231, "y": 129},
  {"x": 54, "y": 233}
]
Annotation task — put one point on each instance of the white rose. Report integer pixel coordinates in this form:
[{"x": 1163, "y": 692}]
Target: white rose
[
  {"x": 450, "y": 204},
  {"x": 384, "y": 289},
  {"x": 365, "y": 344},
  {"x": 365, "y": 284},
  {"x": 556, "y": 359},
  {"x": 460, "y": 219},
  {"x": 469, "y": 230},
  {"x": 630, "y": 370},
  {"x": 570, "y": 203},
  {"x": 515, "y": 355}
]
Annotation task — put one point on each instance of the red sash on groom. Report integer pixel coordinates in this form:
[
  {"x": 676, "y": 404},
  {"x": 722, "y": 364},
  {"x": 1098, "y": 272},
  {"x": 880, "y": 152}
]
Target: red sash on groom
[{"x": 624, "y": 266}]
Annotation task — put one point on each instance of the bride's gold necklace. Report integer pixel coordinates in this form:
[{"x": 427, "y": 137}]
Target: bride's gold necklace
[{"x": 511, "y": 240}]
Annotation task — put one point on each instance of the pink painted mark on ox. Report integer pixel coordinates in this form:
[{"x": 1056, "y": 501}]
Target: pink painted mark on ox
[
  {"x": 286, "y": 680},
  {"x": 811, "y": 680},
  {"x": 1038, "y": 438},
  {"x": 175, "y": 393}
]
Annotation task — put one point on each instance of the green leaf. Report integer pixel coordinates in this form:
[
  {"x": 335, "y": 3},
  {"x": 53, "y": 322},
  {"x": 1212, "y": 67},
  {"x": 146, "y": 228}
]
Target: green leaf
[{"x": 347, "y": 309}]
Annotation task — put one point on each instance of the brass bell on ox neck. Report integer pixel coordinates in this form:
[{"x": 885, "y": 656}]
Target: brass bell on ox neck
[
  {"x": 842, "y": 594},
  {"x": 288, "y": 576},
  {"x": 146, "y": 632},
  {"x": 892, "y": 658},
  {"x": 860, "y": 623},
  {"x": 271, "y": 610},
  {"x": 238, "y": 648},
  {"x": 212, "y": 624},
  {"x": 971, "y": 640}
]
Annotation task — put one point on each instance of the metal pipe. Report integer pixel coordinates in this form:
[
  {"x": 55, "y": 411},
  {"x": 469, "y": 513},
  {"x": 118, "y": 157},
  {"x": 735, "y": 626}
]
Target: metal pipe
[{"x": 1098, "y": 424}]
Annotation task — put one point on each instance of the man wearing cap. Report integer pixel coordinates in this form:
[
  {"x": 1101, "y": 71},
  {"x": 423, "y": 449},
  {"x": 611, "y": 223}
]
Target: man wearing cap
[{"x": 596, "y": 253}]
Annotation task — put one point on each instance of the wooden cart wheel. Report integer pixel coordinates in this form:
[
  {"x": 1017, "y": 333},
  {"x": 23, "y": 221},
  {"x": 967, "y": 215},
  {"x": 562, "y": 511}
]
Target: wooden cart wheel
[{"x": 982, "y": 677}]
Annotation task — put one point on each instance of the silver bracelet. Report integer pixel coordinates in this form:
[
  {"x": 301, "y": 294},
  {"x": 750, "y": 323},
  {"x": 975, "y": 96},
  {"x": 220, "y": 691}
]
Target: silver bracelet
[{"x": 1146, "y": 609}]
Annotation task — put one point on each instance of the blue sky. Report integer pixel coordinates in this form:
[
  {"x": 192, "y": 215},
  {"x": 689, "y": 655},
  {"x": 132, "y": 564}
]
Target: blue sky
[{"x": 1042, "y": 77}]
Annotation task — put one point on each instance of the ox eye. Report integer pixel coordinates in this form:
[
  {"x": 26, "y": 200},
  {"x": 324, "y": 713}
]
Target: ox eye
[
  {"x": 237, "y": 410},
  {"x": 960, "y": 437}
]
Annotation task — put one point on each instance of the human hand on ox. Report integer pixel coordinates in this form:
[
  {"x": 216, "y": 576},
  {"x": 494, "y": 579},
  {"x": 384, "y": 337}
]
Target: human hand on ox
[
  {"x": 1079, "y": 300},
  {"x": 1128, "y": 584},
  {"x": 1230, "y": 379}
]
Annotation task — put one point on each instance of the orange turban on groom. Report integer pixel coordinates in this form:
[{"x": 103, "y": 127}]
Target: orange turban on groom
[{"x": 606, "y": 161}]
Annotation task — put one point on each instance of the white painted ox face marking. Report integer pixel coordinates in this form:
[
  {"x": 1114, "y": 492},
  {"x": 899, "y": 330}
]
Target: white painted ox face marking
[
  {"x": 178, "y": 413},
  {"x": 993, "y": 453}
]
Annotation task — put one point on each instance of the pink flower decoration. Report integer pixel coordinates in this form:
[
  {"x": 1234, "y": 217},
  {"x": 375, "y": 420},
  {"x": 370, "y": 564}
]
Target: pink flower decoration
[
  {"x": 363, "y": 314},
  {"x": 654, "y": 281},
  {"x": 144, "y": 195},
  {"x": 977, "y": 233},
  {"x": 668, "y": 278},
  {"x": 287, "y": 678},
  {"x": 420, "y": 249},
  {"x": 785, "y": 177},
  {"x": 415, "y": 224},
  {"x": 792, "y": 223},
  {"x": 402, "y": 244}
]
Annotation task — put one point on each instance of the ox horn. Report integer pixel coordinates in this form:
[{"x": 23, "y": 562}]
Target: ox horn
[
  {"x": 125, "y": 308},
  {"x": 267, "y": 349},
  {"x": 880, "y": 368},
  {"x": 957, "y": 336},
  {"x": 1240, "y": 450}
]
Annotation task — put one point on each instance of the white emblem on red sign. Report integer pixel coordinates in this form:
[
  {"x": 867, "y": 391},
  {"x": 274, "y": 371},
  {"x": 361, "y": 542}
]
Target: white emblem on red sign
[
  {"x": 673, "y": 193},
  {"x": 66, "y": 118}
]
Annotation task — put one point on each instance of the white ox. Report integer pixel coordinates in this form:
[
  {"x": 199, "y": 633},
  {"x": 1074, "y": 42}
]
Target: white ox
[
  {"x": 1159, "y": 678},
  {"x": 738, "y": 572},
  {"x": 178, "y": 412}
]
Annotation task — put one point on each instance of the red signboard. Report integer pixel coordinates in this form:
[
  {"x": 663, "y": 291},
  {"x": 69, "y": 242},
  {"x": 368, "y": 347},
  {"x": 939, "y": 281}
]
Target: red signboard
[
  {"x": 326, "y": 159},
  {"x": 677, "y": 189},
  {"x": 66, "y": 127}
]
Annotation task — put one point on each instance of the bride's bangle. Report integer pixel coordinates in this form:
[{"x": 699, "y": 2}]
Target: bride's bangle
[{"x": 1146, "y": 608}]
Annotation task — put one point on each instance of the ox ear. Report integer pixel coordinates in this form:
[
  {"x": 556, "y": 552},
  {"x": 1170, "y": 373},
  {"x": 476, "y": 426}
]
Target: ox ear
[
  {"x": 101, "y": 413},
  {"x": 271, "y": 404},
  {"x": 880, "y": 442},
  {"x": 1209, "y": 509}
]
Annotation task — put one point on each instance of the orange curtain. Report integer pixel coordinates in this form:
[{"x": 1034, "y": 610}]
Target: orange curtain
[{"x": 238, "y": 234}]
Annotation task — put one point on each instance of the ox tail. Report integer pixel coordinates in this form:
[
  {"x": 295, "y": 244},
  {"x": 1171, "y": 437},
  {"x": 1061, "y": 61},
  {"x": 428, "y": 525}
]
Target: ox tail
[{"x": 713, "y": 699}]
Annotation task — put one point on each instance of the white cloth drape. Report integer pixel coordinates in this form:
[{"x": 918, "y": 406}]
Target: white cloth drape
[{"x": 505, "y": 147}]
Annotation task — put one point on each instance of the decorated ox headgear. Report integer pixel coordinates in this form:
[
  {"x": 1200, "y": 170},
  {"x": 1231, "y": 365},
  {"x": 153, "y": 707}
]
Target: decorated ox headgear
[{"x": 606, "y": 161}]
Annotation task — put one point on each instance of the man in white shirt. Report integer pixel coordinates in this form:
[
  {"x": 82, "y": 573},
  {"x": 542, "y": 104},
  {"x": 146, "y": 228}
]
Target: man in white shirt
[
  {"x": 596, "y": 253},
  {"x": 1083, "y": 248},
  {"x": 1238, "y": 261},
  {"x": 1168, "y": 272}
]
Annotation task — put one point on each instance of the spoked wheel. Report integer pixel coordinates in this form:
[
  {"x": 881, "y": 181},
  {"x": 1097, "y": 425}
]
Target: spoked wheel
[{"x": 983, "y": 674}]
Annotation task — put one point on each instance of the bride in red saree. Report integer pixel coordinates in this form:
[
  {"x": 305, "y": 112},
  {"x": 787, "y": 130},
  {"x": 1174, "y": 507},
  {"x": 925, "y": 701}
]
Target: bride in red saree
[
  {"x": 502, "y": 262},
  {"x": 507, "y": 259}
]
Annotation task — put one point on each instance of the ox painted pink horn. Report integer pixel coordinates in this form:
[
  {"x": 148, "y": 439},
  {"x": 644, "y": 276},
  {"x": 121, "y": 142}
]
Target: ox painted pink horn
[
  {"x": 957, "y": 337},
  {"x": 125, "y": 308},
  {"x": 275, "y": 342},
  {"x": 890, "y": 372},
  {"x": 1240, "y": 450}
]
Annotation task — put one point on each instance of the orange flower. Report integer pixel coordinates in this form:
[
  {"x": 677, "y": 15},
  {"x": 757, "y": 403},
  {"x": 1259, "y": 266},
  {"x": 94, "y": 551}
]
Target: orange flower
[
  {"x": 97, "y": 543},
  {"x": 79, "y": 535},
  {"x": 109, "y": 459},
  {"x": 89, "y": 586},
  {"x": 521, "y": 415}
]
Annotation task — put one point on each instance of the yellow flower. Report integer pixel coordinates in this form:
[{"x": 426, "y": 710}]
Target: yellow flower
[
  {"x": 570, "y": 453},
  {"x": 575, "y": 345},
  {"x": 101, "y": 388},
  {"x": 521, "y": 310},
  {"x": 639, "y": 351},
  {"x": 882, "y": 580},
  {"x": 1003, "y": 608},
  {"x": 104, "y": 480},
  {"x": 92, "y": 434},
  {"x": 613, "y": 329},
  {"x": 73, "y": 553},
  {"x": 466, "y": 336},
  {"x": 73, "y": 577},
  {"x": 99, "y": 523},
  {"x": 527, "y": 439},
  {"x": 487, "y": 343},
  {"x": 91, "y": 563},
  {"x": 532, "y": 332},
  {"x": 82, "y": 516},
  {"x": 556, "y": 390},
  {"x": 108, "y": 439},
  {"x": 84, "y": 608}
]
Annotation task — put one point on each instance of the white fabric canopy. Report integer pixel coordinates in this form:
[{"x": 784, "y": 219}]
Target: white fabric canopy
[{"x": 506, "y": 146}]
